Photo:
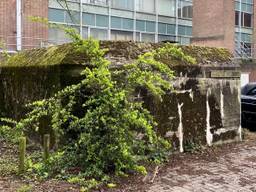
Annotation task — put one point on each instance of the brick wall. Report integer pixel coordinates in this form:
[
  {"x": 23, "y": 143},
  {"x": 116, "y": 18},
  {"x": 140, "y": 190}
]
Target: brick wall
[
  {"x": 8, "y": 23},
  {"x": 32, "y": 33},
  {"x": 213, "y": 23}
]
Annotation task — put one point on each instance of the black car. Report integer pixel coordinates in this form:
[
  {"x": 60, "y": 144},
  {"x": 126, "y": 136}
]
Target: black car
[{"x": 248, "y": 102}]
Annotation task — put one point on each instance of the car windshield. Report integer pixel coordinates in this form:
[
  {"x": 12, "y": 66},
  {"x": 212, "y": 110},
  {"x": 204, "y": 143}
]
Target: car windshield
[{"x": 249, "y": 89}]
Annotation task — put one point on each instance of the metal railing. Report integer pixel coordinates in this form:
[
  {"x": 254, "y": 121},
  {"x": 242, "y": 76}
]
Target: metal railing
[
  {"x": 242, "y": 50},
  {"x": 10, "y": 43}
]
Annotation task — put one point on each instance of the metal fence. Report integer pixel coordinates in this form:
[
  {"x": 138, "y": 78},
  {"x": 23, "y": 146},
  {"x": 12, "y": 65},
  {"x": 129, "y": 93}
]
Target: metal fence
[{"x": 10, "y": 43}]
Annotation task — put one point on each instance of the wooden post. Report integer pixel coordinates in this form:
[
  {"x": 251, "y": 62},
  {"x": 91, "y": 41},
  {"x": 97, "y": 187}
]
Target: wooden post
[
  {"x": 46, "y": 146},
  {"x": 22, "y": 153}
]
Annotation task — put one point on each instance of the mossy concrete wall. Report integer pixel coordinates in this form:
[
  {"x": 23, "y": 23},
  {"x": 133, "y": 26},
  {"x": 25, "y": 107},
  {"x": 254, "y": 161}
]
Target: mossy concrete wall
[{"x": 204, "y": 109}]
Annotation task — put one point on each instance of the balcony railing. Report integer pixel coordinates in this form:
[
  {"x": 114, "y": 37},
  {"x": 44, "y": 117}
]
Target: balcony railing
[{"x": 242, "y": 50}]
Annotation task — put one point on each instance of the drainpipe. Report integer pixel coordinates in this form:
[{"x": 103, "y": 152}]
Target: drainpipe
[{"x": 18, "y": 25}]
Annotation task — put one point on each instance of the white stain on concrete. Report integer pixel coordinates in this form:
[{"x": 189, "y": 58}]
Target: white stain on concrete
[
  {"x": 240, "y": 127},
  {"x": 220, "y": 131},
  {"x": 240, "y": 133},
  {"x": 180, "y": 128},
  {"x": 190, "y": 91},
  {"x": 222, "y": 104},
  {"x": 209, "y": 136}
]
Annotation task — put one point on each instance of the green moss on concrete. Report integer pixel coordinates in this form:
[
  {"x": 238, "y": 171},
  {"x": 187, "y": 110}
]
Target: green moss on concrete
[
  {"x": 205, "y": 55},
  {"x": 66, "y": 54},
  {"x": 53, "y": 55}
]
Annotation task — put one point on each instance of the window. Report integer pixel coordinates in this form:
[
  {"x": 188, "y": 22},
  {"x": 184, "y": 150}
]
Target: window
[
  {"x": 72, "y": 17},
  {"x": 162, "y": 28},
  {"x": 184, "y": 40},
  {"x": 171, "y": 29},
  {"x": 246, "y": 19},
  {"x": 100, "y": 34},
  {"x": 127, "y": 24},
  {"x": 185, "y": 9},
  {"x": 56, "y": 15},
  {"x": 185, "y": 30},
  {"x": 166, "y": 7},
  {"x": 122, "y": 4},
  {"x": 101, "y": 20},
  {"x": 121, "y": 35},
  {"x": 237, "y": 18},
  {"x": 147, "y": 37},
  {"x": 57, "y": 36},
  {"x": 145, "y": 6},
  {"x": 150, "y": 26},
  {"x": 140, "y": 25},
  {"x": 116, "y": 22},
  {"x": 89, "y": 19},
  {"x": 96, "y": 2},
  {"x": 121, "y": 23},
  {"x": 166, "y": 38},
  {"x": 245, "y": 6}
]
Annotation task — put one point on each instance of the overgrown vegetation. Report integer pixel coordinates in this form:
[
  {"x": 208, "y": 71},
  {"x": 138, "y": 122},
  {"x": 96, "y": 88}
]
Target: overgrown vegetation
[
  {"x": 101, "y": 127},
  {"x": 4, "y": 55}
]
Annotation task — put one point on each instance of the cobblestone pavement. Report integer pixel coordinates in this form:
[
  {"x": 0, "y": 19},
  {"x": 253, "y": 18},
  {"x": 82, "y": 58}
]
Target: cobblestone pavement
[{"x": 231, "y": 172}]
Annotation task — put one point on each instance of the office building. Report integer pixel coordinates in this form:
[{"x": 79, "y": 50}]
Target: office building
[{"x": 136, "y": 20}]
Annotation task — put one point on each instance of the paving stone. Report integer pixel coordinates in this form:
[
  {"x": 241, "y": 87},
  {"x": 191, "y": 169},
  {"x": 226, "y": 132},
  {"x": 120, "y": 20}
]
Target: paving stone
[{"x": 233, "y": 172}]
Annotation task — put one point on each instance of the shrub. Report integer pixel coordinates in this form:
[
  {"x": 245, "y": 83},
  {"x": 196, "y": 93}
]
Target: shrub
[{"x": 100, "y": 127}]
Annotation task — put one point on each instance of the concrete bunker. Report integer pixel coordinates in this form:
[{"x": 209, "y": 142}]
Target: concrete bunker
[{"x": 204, "y": 109}]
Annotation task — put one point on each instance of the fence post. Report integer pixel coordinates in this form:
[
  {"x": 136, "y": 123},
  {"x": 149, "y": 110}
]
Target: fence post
[
  {"x": 22, "y": 153},
  {"x": 46, "y": 146}
]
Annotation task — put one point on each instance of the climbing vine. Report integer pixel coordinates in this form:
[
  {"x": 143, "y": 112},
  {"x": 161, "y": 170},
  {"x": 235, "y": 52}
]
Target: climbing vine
[{"x": 100, "y": 128}]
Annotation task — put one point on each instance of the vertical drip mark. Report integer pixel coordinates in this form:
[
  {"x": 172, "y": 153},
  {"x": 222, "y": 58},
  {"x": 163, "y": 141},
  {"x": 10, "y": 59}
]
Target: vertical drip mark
[
  {"x": 240, "y": 133},
  {"x": 222, "y": 105},
  {"x": 209, "y": 136},
  {"x": 180, "y": 128},
  {"x": 240, "y": 126},
  {"x": 191, "y": 94}
]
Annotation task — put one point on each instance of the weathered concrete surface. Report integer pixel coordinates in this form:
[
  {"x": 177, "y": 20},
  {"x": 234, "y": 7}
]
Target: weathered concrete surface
[
  {"x": 204, "y": 109},
  {"x": 200, "y": 111}
]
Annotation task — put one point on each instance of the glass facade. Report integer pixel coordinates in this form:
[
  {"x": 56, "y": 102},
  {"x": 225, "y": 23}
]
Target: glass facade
[
  {"x": 243, "y": 27},
  {"x": 138, "y": 20}
]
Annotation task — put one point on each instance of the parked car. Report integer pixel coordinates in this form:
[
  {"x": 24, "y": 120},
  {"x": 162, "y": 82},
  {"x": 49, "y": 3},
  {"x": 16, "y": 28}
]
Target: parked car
[{"x": 248, "y": 102}]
